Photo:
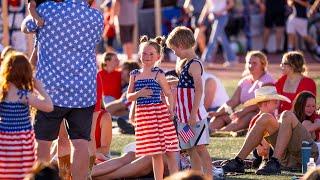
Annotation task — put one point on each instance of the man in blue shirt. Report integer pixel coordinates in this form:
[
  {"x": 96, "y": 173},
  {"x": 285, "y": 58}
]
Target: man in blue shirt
[{"x": 67, "y": 66}]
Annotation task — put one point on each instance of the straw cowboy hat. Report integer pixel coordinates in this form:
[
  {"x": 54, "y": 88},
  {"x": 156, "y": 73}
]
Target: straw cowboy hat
[{"x": 266, "y": 93}]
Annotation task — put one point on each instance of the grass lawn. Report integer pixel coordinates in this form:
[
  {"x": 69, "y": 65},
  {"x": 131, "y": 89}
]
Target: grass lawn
[{"x": 219, "y": 148}]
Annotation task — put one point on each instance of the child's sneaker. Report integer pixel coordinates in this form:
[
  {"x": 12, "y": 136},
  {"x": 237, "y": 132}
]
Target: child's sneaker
[{"x": 233, "y": 165}]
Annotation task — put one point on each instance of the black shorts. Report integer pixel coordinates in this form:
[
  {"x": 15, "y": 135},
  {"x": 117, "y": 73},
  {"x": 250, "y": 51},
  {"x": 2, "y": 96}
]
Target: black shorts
[
  {"x": 276, "y": 19},
  {"x": 109, "y": 41},
  {"x": 126, "y": 33},
  {"x": 79, "y": 120}
]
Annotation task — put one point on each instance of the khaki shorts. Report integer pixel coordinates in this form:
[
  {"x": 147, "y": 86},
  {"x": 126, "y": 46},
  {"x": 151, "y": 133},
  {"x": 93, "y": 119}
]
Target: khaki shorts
[
  {"x": 292, "y": 155},
  {"x": 201, "y": 131}
]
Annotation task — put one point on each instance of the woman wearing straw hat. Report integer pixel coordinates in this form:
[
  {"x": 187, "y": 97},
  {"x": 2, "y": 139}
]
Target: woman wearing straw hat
[{"x": 285, "y": 135}]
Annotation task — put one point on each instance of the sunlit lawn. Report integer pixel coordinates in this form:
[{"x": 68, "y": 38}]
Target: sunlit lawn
[{"x": 219, "y": 148}]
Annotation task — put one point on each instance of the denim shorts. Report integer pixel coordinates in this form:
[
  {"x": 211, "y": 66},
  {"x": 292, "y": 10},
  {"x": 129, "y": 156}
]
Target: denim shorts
[{"x": 78, "y": 123}]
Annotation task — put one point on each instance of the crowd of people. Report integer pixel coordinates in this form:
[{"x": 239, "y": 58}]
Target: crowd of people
[{"x": 74, "y": 98}]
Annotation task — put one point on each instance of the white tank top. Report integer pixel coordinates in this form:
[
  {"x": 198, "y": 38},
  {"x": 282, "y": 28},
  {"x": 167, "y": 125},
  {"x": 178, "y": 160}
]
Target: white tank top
[
  {"x": 217, "y": 6},
  {"x": 221, "y": 95}
]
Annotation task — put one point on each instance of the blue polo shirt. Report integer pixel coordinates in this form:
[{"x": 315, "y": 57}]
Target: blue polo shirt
[{"x": 66, "y": 51}]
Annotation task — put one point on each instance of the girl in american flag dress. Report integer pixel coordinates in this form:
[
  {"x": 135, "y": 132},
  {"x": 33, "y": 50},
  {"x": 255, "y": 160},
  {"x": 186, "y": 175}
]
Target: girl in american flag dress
[
  {"x": 17, "y": 141},
  {"x": 155, "y": 131}
]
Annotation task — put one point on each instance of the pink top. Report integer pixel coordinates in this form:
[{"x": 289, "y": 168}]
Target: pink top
[{"x": 248, "y": 86}]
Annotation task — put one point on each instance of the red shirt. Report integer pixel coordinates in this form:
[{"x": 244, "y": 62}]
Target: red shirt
[
  {"x": 253, "y": 120},
  {"x": 317, "y": 132},
  {"x": 108, "y": 84},
  {"x": 306, "y": 84}
]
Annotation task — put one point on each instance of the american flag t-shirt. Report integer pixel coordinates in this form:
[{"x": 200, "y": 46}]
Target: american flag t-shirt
[{"x": 186, "y": 133}]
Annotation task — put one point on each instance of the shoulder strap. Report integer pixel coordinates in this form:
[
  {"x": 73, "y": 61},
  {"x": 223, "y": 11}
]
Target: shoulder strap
[
  {"x": 23, "y": 95},
  {"x": 196, "y": 60},
  {"x": 157, "y": 70},
  {"x": 134, "y": 73}
]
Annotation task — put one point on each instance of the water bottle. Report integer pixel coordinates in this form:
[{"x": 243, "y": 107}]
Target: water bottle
[
  {"x": 305, "y": 154},
  {"x": 311, "y": 164}
]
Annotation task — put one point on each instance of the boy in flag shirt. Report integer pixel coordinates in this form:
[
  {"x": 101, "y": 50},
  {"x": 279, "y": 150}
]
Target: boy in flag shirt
[{"x": 190, "y": 108}]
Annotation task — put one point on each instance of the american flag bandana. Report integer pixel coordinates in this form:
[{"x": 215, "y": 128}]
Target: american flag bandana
[{"x": 186, "y": 133}]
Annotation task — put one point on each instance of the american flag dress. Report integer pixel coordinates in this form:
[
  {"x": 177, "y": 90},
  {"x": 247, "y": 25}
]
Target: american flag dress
[
  {"x": 17, "y": 140},
  {"x": 155, "y": 132},
  {"x": 185, "y": 95}
]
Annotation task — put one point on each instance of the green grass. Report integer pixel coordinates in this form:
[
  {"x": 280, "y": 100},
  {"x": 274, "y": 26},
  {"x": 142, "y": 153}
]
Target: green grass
[{"x": 219, "y": 148}]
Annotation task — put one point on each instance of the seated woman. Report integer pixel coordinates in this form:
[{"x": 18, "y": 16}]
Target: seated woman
[
  {"x": 255, "y": 76},
  {"x": 109, "y": 79},
  {"x": 215, "y": 95},
  {"x": 293, "y": 81}
]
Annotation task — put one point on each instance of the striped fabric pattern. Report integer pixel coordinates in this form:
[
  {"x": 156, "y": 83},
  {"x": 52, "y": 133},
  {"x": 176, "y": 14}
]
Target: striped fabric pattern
[
  {"x": 17, "y": 141},
  {"x": 155, "y": 132},
  {"x": 185, "y": 96}
]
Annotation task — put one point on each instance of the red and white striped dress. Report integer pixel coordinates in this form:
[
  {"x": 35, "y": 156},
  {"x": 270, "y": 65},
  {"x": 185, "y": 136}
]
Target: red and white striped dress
[
  {"x": 185, "y": 96},
  {"x": 155, "y": 132},
  {"x": 17, "y": 141}
]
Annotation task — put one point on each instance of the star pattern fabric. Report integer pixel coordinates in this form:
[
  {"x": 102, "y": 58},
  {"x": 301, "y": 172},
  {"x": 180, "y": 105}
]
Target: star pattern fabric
[
  {"x": 66, "y": 51},
  {"x": 150, "y": 83},
  {"x": 185, "y": 80}
]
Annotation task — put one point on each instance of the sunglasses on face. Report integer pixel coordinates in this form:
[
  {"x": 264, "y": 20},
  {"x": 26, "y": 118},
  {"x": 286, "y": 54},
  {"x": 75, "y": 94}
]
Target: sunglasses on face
[{"x": 284, "y": 63}]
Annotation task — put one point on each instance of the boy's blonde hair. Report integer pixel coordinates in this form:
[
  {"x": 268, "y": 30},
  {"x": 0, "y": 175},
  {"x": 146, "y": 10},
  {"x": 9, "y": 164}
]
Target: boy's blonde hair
[{"x": 182, "y": 37}]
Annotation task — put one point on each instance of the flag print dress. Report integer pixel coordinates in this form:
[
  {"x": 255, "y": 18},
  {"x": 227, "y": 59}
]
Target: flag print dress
[
  {"x": 155, "y": 132},
  {"x": 17, "y": 141}
]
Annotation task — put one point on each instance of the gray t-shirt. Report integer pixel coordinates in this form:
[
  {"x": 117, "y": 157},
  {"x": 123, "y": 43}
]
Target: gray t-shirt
[{"x": 128, "y": 12}]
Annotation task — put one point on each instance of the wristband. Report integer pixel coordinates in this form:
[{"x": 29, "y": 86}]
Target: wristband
[{"x": 227, "y": 108}]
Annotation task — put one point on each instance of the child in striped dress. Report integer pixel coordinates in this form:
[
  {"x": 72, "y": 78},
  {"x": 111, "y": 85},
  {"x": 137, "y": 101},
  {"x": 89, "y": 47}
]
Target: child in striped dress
[
  {"x": 155, "y": 131},
  {"x": 17, "y": 141}
]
